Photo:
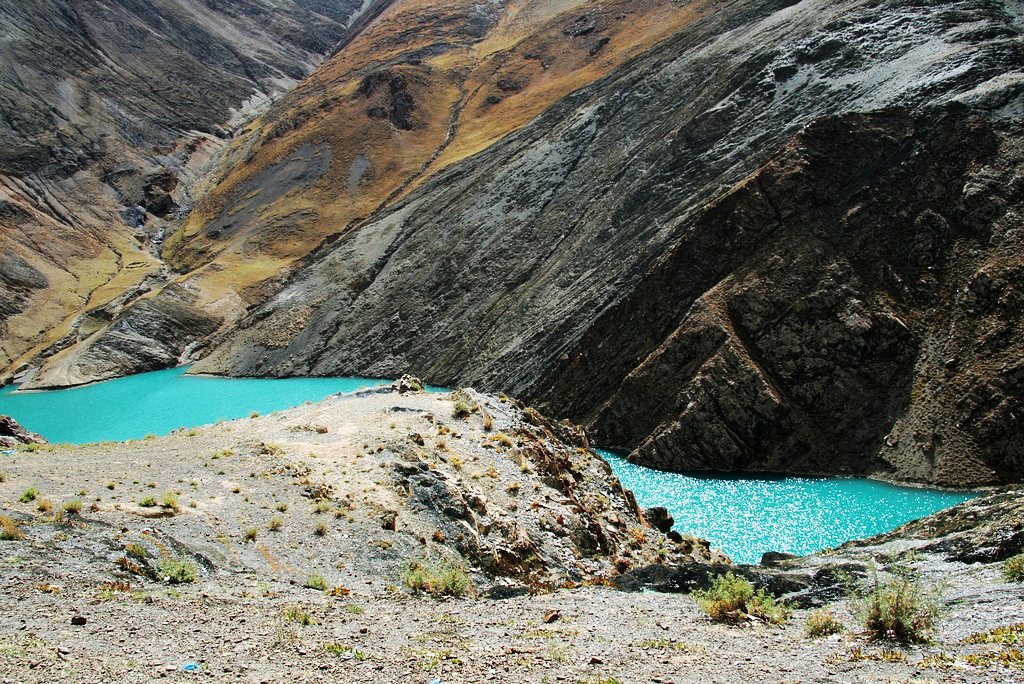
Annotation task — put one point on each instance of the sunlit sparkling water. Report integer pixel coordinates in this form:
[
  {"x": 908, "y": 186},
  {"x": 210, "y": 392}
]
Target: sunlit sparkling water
[
  {"x": 158, "y": 402},
  {"x": 746, "y": 516}
]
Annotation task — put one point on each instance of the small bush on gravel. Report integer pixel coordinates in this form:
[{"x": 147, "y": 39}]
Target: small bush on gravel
[
  {"x": 320, "y": 529},
  {"x": 444, "y": 578},
  {"x": 29, "y": 495},
  {"x": 732, "y": 599},
  {"x": 250, "y": 534},
  {"x": 461, "y": 409},
  {"x": 10, "y": 530},
  {"x": 900, "y": 608},
  {"x": 275, "y": 524},
  {"x": 169, "y": 501},
  {"x": 821, "y": 623},
  {"x": 297, "y": 615},
  {"x": 136, "y": 551},
  {"x": 73, "y": 507},
  {"x": 315, "y": 582},
  {"x": 147, "y": 502},
  {"x": 177, "y": 570},
  {"x": 44, "y": 505},
  {"x": 1013, "y": 568}
]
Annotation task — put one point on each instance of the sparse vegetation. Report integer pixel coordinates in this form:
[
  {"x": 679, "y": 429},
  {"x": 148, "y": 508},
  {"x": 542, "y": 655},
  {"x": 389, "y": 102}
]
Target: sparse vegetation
[
  {"x": 177, "y": 570},
  {"x": 73, "y": 507},
  {"x": 315, "y": 581},
  {"x": 461, "y": 409},
  {"x": 297, "y": 615},
  {"x": 250, "y": 534},
  {"x": 10, "y": 530},
  {"x": 347, "y": 652},
  {"x": 275, "y": 524},
  {"x": 136, "y": 551},
  {"x": 443, "y": 578},
  {"x": 169, "y": 501},
  {"x": 731, "y": 598},
  {"x": 320, "y": 529},
  {"x": 29, "y": 495},
  {"x": 44, "y": 505},
  {"x": 1009, "y": 635},
  {"x": 1013, "y": 568},
  {"x": 821, "y": 623},
  {"x": 281, "y": 507},
  {"x": 900, "y": 608},
  {"x": 147, "y": 501}
]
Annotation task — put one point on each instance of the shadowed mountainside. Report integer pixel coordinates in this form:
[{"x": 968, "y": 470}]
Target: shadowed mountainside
[{"x": 784, "y": 239}]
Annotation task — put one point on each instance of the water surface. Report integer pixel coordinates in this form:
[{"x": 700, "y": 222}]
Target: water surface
[
  {"x": 156, "y": 403},
  {"x": 746, "y": 516}
]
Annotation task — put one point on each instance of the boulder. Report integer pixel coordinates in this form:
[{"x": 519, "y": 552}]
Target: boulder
[{"x": 13, "y": 434}]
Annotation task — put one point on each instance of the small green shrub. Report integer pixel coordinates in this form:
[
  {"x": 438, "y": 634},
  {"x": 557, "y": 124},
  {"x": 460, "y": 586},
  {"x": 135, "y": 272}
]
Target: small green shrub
[
  {"x": 74, "y": 507},
  {"x": 250, "y": 534},
  {"x": 275, "y": 524},
  {"x": 177, "y": 570},
  {"x": 1013, "y": 568},
  {"x": 147, "y": 501},
  {"x": 821, "y": 623},
  {"x": 29, "y": 495},
  {"x": 461, "y": 409},
  {"x": 315, "y": 582},
  {"x": 342, "y": 651},
  {"x": 297, "y": 615},
  {"x": 444, "y": 578},
  {"x": 169, "y": 501},
  {"x": 136, "y": 551},
  {"x": 731, "y": 598},
  {"x": 320, "y": 529},
  {"x": 900, "y": 608}
]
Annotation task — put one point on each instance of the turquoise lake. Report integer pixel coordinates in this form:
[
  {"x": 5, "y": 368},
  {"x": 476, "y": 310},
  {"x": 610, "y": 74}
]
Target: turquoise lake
[
  {"x": 748, "y": 515},
  {"x": 158, "y": 402},
  {"x": 743, "y": 516}
]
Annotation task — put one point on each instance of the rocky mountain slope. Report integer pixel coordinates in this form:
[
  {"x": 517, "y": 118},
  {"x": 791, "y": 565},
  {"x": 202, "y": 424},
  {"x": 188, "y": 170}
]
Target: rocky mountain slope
[
  {"x": 784, "y": 239},
  {"x": 109, "y": 113},
  {"x": 412, "y": 88}
]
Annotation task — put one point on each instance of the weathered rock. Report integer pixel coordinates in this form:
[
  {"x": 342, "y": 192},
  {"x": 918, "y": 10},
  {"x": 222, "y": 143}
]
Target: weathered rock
[
  {"x": 12, "y": 433},
  {"x": 407, "y": 383},
  {"x": 659, "y": 518}
]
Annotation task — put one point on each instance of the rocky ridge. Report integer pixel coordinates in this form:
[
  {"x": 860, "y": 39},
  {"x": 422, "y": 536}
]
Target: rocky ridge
[{"x": 781, "y": 240}]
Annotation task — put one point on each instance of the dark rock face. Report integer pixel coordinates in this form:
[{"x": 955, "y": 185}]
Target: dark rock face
[
  {"x": 12, "y": 433},
  {"x": 758, "y": 247}
]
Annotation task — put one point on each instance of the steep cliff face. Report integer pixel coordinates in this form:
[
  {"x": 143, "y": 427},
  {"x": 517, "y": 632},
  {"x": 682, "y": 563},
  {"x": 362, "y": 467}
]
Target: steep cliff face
[
  {"x": 108, "y": 114},
  {"x": 784, "y": 239}
]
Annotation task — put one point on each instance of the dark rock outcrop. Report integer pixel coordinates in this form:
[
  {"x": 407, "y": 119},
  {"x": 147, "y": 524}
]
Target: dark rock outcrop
[
  {"x": 13, "y": 434},
  {"x": 760, "y": 246}
]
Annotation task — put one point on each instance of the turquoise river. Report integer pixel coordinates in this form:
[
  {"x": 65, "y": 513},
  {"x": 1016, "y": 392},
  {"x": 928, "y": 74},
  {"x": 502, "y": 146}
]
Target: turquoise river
[{"x": 744, "y": 516}]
